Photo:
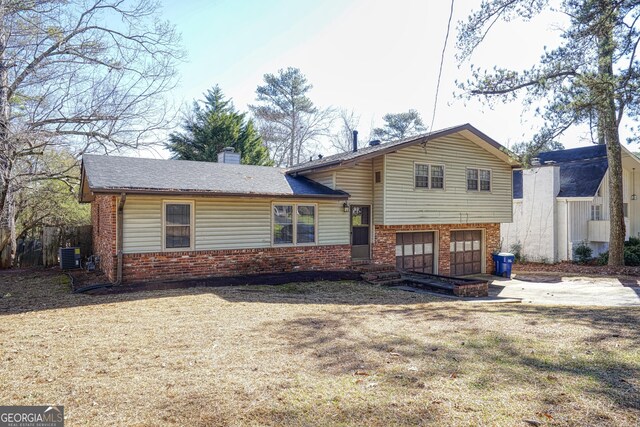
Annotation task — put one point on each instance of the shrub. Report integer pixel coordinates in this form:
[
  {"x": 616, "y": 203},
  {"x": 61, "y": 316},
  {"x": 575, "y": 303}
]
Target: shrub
[
  {"x": 631, "y": 256},
  {"x": 583, "y": 253},
  {"x": 633, "y": 241},
  {"x": 516, "y": 250}
]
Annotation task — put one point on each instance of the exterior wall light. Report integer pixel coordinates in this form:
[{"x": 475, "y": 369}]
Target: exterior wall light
[{"x": 345, "y": 207}]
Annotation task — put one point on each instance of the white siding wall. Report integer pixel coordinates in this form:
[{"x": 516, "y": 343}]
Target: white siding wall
[
  {"x": 534, "y": 217},
  {"x": 405, "y": 204},
  {"x": 225, "y": 223}
]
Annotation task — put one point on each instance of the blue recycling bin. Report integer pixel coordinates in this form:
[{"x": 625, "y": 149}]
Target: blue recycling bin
[{"x": 503, "y": 262}]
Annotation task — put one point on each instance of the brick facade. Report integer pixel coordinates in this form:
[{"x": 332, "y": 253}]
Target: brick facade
[
  {"x": 103, "y": 221},
  {"x": 194, "y": 264},
  {"x": 384, "y": 246}
]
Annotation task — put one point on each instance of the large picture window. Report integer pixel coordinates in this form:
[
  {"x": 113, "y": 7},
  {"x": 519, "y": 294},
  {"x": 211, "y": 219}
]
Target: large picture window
[
  {"x": 294, "y": 224},
  {"x": 177, "y": 225}
]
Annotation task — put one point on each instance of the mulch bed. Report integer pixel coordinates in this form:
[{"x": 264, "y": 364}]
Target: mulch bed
[
  {"x": 82, "y": 279},
  {"x": 581, "y": 269}
]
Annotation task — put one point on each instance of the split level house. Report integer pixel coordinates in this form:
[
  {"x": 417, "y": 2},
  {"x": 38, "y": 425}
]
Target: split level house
[
  {"x": 563, "y": 201},
  {"x": 432, "y": 203}
]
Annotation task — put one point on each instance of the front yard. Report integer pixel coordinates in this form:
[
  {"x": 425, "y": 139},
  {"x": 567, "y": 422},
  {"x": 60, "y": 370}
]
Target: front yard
[{"x": 312, "y": 354}]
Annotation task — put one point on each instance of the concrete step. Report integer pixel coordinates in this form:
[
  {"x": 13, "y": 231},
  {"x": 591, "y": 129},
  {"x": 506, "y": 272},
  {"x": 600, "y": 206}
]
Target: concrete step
[
  {"x": 388, "y": 282},
  {"x": 381, "y": 275}
]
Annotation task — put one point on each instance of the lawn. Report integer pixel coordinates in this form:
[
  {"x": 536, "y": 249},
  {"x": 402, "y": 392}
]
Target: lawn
[{"x": 312, "y": 354}]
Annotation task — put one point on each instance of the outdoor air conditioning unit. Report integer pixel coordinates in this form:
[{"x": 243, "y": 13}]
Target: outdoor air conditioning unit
[{"x": 69, "y": 258}]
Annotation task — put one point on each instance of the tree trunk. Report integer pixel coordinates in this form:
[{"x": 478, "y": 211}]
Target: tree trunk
[{"x": 608, "y": 127}]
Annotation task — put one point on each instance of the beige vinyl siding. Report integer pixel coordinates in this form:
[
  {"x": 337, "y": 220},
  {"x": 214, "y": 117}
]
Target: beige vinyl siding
[
  {"x": 233, "y": 224},
  {"x": 357, "y": 180},
  {"x": 142, "y": 225},
  {"x": 324, "y": 178},
  {"x": 333, "y": 224},
  {"x": 225, "y": 223},
  {"x": 378, "y": 191},
  {"x": 404, "y": 204}
]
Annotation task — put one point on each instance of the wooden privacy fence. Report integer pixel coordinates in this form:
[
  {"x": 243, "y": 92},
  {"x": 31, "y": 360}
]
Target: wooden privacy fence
[
  {"x": 42, "y": 248},
  {"x": 55, "y": 237}
]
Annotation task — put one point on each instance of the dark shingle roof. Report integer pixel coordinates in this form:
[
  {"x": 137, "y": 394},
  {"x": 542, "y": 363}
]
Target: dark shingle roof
[
  {"x": 111, "y": 173},
  {"x": 581, "y": 170},
  {"x": 370, "y": 151}
]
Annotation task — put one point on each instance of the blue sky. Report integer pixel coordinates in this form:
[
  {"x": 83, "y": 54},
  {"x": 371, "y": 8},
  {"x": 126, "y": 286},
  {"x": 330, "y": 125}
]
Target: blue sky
[{"x": 371, "y": 56}]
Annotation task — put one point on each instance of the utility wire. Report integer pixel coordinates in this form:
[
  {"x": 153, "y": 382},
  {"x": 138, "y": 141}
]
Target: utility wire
[{"x": 444, "y": 48}]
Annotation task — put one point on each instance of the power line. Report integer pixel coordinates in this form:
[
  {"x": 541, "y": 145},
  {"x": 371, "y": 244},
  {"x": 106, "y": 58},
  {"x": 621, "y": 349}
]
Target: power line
[{"x": 444, "y": 48}]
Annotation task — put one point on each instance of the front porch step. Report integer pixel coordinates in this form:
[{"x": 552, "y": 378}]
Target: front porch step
[
  {"x": 386, "y": 278},
  {"x": 389, "y": 282},
  {"x": 371, "y": 268}
]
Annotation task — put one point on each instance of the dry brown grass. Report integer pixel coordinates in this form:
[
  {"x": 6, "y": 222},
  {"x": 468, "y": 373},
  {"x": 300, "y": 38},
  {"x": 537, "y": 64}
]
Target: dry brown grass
[{"x": 312, "y": 354}]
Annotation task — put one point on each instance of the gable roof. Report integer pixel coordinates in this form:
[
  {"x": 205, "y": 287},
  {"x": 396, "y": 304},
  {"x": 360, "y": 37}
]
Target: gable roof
[
  {"x": 112, "y": 174},
  {"x": 377, "y": 150},
  {"x": 581, "y": 170}
]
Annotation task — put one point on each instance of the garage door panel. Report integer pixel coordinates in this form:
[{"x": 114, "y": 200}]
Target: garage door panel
[
  {"x": 414, "y": 251},
  {"x": 466, "y": 252}
]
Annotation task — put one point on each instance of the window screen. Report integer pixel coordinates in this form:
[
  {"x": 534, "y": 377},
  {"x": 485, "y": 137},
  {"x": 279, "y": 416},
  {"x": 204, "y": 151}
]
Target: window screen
[
  {"x": 282, "y": 224},
  {"x": 422, "y": 176},
  {"x": 306, "y": 224},
  {"x": 472, "y": 179},
  {"x": 437, "y": 176},
  {"x": 177, "y": 225}
]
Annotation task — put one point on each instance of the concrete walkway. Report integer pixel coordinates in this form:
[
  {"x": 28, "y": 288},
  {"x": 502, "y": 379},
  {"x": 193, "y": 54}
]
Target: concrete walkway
[{"x": 541, "y": 288}]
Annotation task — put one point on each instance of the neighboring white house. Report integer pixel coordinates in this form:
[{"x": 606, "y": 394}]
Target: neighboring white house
[{"x": 564, "y": 201}]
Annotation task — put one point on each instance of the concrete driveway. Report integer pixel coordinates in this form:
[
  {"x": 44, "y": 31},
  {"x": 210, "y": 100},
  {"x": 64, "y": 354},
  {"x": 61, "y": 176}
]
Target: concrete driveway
[{"x": 538, "y": 288}]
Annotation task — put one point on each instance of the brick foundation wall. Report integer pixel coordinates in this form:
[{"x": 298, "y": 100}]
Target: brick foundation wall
[
  {"x": 196, "y": 264},
  {"x": 384, "y": 246},
  {"x": 103, "y": 220}
]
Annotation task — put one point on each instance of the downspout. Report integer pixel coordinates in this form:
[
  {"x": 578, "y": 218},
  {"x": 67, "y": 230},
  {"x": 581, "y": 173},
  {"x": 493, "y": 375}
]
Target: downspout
[
  {"x": 119, "y": 233},
  {"x": 566, "y": 202}
]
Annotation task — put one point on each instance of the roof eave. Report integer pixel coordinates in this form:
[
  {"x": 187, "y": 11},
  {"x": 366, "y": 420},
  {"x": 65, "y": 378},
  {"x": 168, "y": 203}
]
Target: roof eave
[
  {"x": 155, "y": 192},
  {"x": 507, "y": 155}
]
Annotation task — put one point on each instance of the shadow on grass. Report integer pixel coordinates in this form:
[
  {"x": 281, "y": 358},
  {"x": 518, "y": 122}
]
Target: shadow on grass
[{"x": 493, "y": 360}]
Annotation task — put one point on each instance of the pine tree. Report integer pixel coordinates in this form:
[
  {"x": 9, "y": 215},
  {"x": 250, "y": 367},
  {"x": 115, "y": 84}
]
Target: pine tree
[
  {"x": 214, "y": 124},
  {"x": 591, "y": 78}
]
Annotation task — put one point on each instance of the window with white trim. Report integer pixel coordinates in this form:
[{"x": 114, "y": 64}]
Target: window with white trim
[
  {"x": 437, "y": 176},
  {"x": 421, "y": 175},
  {"x": 294, "y": 224},
  {"x": 177, "y": 225},
  {"x": 479, "y": 180},
  {"x": 596, "y": 212},
  {"x": 429, "y": 176}
]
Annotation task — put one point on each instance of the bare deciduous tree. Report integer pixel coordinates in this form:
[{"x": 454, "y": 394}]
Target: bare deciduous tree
[
  {"x": 82, "y": 75},
  {"x": 342, "y": 141}
]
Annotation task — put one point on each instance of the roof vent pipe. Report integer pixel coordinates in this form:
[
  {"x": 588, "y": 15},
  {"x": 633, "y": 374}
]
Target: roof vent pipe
[
  {"x": 374, "y": 142},
  {"x": 535, "y": 161},
  {"x": 355, "y": 141}
]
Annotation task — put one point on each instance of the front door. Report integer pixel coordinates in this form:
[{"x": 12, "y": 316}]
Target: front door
[{"x": 360, "y": 232}]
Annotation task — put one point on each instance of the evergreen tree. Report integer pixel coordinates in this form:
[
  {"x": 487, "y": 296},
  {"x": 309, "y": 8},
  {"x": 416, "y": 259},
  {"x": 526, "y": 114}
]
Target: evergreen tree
[
  {"x": 400, "y": 126},
  {"x": 214, "y": 124}
]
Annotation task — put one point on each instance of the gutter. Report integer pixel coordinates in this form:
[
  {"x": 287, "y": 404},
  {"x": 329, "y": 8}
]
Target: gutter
[
  {"x": 119, "y": 236},
  {"x": 156, "y": 192}
]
